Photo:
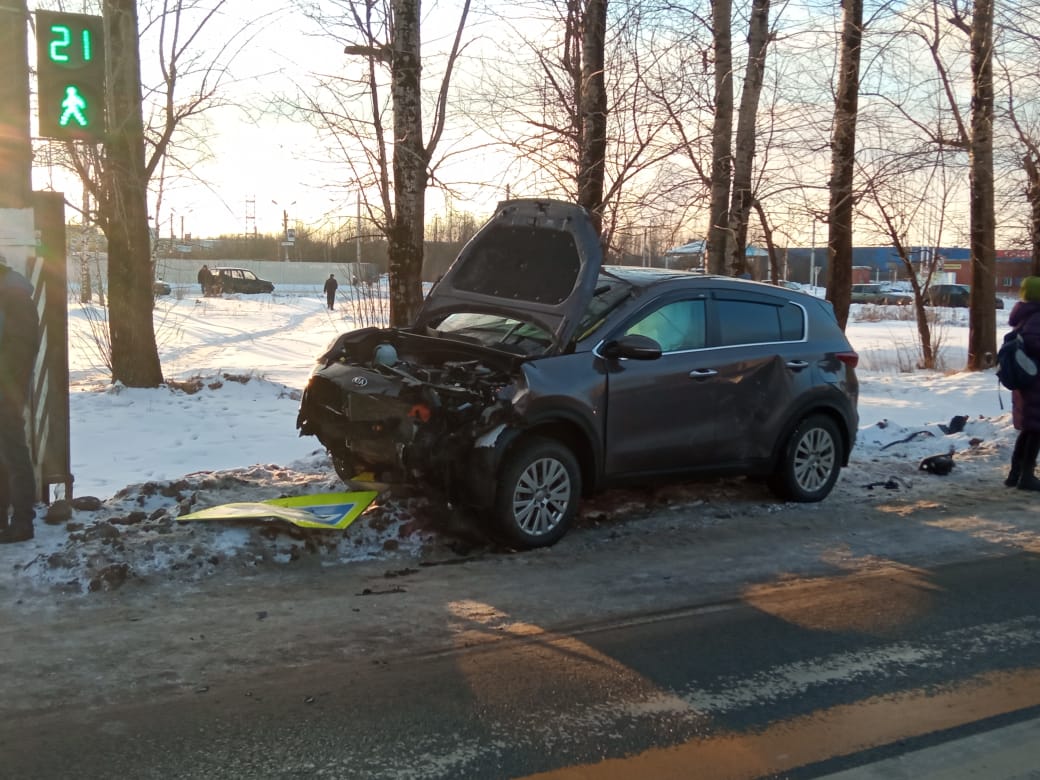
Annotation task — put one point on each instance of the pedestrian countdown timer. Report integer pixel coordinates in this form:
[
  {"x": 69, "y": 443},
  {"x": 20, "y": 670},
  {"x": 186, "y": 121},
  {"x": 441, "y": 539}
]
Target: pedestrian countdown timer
[{"x": 70, "y": 67}]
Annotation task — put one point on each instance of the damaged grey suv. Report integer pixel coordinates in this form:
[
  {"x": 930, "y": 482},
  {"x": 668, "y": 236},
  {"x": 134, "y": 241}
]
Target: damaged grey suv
[{"x": 534, "y": 375}]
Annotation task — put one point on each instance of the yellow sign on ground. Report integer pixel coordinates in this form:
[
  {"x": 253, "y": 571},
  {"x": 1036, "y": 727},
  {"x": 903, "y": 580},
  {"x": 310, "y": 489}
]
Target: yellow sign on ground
[{"x": 333, "y": 511}]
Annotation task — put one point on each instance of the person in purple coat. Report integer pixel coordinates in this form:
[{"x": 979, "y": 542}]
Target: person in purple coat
[{"x": 1025, "y": 404}]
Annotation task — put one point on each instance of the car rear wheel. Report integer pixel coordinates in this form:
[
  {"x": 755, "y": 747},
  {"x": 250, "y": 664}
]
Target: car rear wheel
[
  {"x": 539, "y": 488},
  {"x": 811, "y": 461}
]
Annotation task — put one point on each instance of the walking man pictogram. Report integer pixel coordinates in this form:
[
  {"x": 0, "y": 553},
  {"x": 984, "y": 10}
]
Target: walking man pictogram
[{"x": 73, "y": 106}]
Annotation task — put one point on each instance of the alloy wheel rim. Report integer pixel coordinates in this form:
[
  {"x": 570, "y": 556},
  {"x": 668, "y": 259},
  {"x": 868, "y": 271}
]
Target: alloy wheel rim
[
  {"x": 541, "y": 496},
  {"x": 814, "y": 460}
]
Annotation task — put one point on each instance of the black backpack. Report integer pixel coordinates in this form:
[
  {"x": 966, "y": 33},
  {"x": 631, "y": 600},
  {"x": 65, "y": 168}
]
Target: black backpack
[{"x": 1015, "y": 369}]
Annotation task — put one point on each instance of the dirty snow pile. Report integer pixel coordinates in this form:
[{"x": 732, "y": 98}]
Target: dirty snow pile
[{"x": 223, "y": 430}]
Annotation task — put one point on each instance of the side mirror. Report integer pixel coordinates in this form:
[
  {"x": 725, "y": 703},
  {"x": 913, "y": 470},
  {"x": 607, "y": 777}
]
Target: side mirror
[{"x": 633, "y": 347}]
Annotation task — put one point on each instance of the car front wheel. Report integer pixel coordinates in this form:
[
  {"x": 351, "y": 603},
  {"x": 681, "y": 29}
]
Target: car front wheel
[
  {"x": 811, "y": 461},
  {"x": 539, "y": 487}
]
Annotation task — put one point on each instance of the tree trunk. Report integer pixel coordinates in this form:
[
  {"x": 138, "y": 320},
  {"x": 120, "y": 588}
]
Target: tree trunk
[
  {"x": 982, "y": 317},
  {"x": 846, "y": 103},
  {"x": 405, "y": 252},
  {"x": 593, "y": 111},
  {"x": 721, "y": 144},
  {"x": 767, "y": 232},
  {"x": 1029, "y": 163},
  {"x": 740, "y": 205},
  {"x": 135, "y": 358}
]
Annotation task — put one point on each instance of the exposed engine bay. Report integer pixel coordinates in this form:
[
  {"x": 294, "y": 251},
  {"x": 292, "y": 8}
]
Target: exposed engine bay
[{"x": 409, "y": 406}]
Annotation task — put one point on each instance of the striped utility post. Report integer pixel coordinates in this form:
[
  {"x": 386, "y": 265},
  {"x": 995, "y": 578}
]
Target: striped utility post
[{"x": 49, "y": 408}]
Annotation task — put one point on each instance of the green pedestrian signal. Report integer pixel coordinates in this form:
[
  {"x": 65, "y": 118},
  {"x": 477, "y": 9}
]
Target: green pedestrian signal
[{"x": 70, "y": 68}]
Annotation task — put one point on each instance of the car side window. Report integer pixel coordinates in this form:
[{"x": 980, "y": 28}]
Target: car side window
[
  {"x": 792, "y": 322},
  {"x": 754, "y": 322},
  {"x": 675, "y": 326}
]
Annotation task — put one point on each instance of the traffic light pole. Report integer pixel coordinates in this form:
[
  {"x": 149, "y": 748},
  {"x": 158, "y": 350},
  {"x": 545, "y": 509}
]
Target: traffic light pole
[{"x": 47, "y": 423}]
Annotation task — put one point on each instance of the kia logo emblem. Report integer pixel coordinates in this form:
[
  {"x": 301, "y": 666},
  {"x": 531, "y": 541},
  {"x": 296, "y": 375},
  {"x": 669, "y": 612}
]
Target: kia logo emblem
[{"x": 360, "y": 381}]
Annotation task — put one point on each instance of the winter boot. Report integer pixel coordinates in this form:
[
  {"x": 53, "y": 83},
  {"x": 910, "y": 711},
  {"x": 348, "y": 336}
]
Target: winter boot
[
  {"x": 1014, "y": 474},
  {"x": 1027, "y": 480},
  {"x": 22, "y": 530}
]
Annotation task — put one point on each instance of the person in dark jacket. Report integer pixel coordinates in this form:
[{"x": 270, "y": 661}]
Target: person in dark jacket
[
  {"x": 205, "y": 278},
  {"x": 1025, "y": 404},
  {"x": 19, "y": 339},
  {"x": 331, "y": 285}
]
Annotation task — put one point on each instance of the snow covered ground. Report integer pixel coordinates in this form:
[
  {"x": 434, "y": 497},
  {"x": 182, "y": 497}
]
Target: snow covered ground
[{"x": 224, "y": 430}]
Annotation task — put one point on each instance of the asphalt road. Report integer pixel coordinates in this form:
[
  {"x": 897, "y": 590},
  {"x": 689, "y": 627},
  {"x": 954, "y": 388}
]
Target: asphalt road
[{"x": 831, "y": 675}]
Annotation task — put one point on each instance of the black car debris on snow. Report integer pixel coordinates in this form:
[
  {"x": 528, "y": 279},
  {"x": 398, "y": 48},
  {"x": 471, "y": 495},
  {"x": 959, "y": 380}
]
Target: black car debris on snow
[{"x": 533, "y": 374}]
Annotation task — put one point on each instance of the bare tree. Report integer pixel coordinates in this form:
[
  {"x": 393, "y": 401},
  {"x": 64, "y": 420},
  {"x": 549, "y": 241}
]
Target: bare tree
[
  {"x": 722, "y": 136},
  {"x": 843, "y": 146},
  {"x": 982, "y": 332},
  {"x": 388, "y": 154},
  {"x": 899, "y": 187},
  {"x": 1030, "y": 161},
  {"x": 974, "y": 136},
  {"x": 124, "y": 212},
  {"x": 593, "y": 111},
  {"x": 742, "y": 196},
  {"x": 137, "y": 154},
  {"x": 1021, "y": 109}
]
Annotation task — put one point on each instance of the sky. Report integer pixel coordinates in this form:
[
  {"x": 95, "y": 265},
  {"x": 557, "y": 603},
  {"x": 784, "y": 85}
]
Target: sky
[
  {"x": 224, "y": 430},
  {"x": 258, "y": 163}
]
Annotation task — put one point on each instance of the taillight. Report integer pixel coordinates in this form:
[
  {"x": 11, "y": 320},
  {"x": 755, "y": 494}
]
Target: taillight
[{"x": 850, "y": 359}]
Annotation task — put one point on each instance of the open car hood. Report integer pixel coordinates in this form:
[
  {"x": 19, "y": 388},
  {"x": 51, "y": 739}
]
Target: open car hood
[{"x": 534, "y": 260}]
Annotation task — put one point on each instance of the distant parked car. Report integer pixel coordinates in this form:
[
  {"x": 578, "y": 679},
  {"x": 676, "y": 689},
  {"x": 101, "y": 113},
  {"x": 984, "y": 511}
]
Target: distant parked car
[
  {"x": 955, "y": 295},
  {"x": 159, "y": 287},
  {"x": 900, "y": 287},
  {"x": 239, "y": 280},
  {"x": 878, "y": 294}
]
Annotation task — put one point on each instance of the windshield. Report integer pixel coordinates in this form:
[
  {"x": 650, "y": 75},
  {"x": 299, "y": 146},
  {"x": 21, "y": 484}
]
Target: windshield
[
  {"x": 497, "y": 331},
  {"x": 610, "y": 292},
  {"x": 526, "y": 338}
]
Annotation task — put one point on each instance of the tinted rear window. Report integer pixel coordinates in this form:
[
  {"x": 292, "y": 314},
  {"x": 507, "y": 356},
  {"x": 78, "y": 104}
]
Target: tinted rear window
[
  {"x": 751, "y": 322},
  {"x": 521, "y": 264}
]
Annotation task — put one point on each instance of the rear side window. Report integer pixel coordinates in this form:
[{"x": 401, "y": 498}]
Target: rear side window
[
  {"x": 519, "y": 263},
  {"x": 754, "y": 322},
  {"x": 792, "y": 322}
]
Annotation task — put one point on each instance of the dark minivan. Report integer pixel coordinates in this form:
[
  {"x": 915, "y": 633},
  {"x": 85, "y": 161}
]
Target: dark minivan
[{"x": 534, "y": 374}]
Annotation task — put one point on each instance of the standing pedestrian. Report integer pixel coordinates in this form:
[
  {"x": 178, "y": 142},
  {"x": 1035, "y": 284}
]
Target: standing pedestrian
[
  {"x": 205, "y": 278},
  {"x": 19, "y": 339},
  {"x": 1025, "y": 404},
  {"x": 331, "y": 285}
]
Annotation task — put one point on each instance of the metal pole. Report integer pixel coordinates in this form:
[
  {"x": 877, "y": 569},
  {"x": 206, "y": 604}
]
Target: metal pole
[
  {"x": 15, "y": 144},
  {"x": 812, "y": 256},
  {"x": 17, "y": 236}
]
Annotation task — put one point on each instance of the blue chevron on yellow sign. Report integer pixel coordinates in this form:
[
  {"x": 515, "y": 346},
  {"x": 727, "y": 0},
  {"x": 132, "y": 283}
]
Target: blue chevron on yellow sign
[{"x": 321, "y": 510}]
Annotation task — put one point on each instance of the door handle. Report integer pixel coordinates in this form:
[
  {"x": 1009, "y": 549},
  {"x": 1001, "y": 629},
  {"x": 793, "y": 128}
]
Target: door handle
[
  {"x": 702, "y": 373},
  {"x": 796, "y": 365}
]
